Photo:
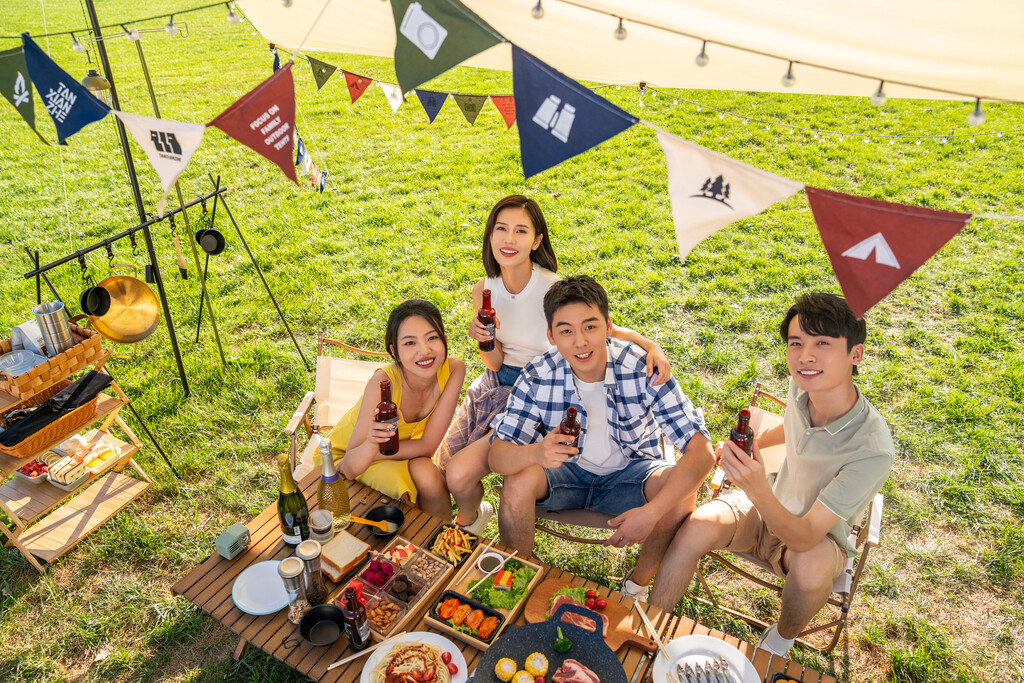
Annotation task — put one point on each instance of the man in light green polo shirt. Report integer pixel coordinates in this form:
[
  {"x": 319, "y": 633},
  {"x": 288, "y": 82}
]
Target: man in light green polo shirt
[{"x": 838, "y": 455}]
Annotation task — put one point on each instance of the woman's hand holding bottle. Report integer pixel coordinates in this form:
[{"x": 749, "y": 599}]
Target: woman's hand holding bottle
[{"x": 478, "y": 332}]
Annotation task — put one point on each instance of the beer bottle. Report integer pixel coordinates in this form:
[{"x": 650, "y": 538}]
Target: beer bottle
[
  {"x": 387, "y": 412},
  {"x": 486, "y": 316},
  {"x": 742, "y": 435},
  {"x": 571, "y": 426},
  {"x": 357, "y": 627}
]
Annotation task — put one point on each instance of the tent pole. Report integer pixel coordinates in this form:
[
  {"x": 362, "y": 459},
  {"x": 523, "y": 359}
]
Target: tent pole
[{"x": 136, "y": 193}]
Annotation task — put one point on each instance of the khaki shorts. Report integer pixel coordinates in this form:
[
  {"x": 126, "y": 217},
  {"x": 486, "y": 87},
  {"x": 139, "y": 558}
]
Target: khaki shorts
[{"x": 753, "y": 537}]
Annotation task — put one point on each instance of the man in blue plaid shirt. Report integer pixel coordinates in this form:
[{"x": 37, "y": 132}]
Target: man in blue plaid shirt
[{"x": 617, "y": 468}]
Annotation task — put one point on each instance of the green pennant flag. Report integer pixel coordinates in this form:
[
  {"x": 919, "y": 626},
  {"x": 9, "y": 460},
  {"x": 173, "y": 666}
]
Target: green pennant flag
[
  {"x": 322, "y": 71},
  {"x": 432, "y": 36},
  {"x": 17, "y": 86},
  {"x": 470, "y": 105}
]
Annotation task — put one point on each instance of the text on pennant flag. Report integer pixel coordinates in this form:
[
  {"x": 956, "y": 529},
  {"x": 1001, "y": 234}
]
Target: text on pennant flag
[
  {"x": 431, "y": 101},
  {"x": 432, "y": 36},
  {"x": 169, "y": 145},
  {"x": 709, "y": 191},
  {"x": 557, "y": 117},
  {"x": 875, "y": 245},
  {"x": 68, "y": 103},
  {"x": 357, "y": 84},
  {"x": 506, "y": 106},
  {"x": 264, "y": 120}
]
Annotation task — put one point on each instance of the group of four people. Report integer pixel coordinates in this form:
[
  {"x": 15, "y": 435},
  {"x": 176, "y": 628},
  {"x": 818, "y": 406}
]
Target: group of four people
[{"x": 556, "y": 347}]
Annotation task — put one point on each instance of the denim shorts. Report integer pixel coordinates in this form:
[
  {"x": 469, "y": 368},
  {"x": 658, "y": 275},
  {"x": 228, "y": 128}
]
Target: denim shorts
[
  {"x": 508, "y": 374},
  {"x": 570, "y": 487}
]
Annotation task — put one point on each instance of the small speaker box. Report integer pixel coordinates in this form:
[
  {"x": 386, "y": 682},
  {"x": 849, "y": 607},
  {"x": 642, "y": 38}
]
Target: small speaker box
[{"x": 233, "y": 541}]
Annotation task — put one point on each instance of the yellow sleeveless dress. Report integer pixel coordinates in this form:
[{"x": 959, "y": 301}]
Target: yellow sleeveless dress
[{"x": 390, "y": 477}]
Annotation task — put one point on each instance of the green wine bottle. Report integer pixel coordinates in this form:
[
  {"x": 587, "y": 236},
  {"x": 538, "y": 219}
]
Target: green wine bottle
[{"x": 291, "y": 506}]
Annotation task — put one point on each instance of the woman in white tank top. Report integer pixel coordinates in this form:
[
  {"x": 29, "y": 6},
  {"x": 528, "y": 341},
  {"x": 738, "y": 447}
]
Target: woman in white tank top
[{"x": 521, "y": 266}]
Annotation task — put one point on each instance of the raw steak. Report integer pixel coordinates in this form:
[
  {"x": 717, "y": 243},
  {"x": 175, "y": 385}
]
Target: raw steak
[
  {"x": 572, "y": 671},
  {"x": 578, "y": 619}
]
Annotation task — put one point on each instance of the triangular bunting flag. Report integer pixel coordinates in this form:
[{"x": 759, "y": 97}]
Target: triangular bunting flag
[
  {"x": 875, "y": 245},
  {"x": 17, "y": 86},
  {"x": 168, "y": 144},
  {"x": 300, "y": 152},
  {"x": 323, "y": 181},
  {"x": 277, "y": 59},
  {"x": 357, "y": 84},
  {"x": 68, "y": 103},
  {"x": 709, "y": 191},
  {"x": 506, "y": 106},
  {"x": 435, "y": 35},
  {"x": 567, "y": 118},
  {"x": 432, "y": 102},
  {"x": 470, "y": 105},
  {"x": 322, "y": 71},
  {"x": 314, "y": 176},
  {"x": 393, "y": 93},
  {"x": 264, "y": 120}
]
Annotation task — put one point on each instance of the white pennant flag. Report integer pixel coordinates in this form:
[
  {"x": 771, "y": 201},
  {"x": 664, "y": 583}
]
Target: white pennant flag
[
  {"x": 709, "y": 191},
  {"x": 393, "y": 93},
  {"x": 168, "y": 144}
]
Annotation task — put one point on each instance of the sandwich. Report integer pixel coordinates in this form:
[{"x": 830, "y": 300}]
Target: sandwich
[{"x": 341, "y": 555}]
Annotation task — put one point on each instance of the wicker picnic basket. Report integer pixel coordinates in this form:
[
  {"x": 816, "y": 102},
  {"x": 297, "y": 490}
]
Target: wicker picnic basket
[
  {"x": 86, "y": 350},
  {"x": 63, "y": 426}
]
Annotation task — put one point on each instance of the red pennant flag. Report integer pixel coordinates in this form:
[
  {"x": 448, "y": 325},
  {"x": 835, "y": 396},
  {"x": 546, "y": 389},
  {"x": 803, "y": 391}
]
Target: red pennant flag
[
  {"x": 875, "y": 245},
  {"x": 357, "y": 84},
  {"x": 506, "y": 106},
  {"x": 264, "y": 120}
]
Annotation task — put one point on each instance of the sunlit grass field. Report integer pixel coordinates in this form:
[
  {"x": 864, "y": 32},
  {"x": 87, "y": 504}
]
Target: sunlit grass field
[{"x": 403, "y": 217}]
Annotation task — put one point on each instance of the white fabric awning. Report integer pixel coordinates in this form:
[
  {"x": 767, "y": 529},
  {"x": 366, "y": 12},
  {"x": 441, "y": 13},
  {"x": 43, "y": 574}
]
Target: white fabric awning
[{"x": 945, "y": 47}]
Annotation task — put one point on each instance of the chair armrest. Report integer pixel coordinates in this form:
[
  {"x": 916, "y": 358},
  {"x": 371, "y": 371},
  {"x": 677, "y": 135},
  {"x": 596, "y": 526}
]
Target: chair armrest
[
  {"x": 875, "y": 521},
  {"x": 353, "y": 349},
  {"x": 299, "y": 414}
]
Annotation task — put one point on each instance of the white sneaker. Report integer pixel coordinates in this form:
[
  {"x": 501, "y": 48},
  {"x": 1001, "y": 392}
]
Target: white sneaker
[
  {"x": 773, "y": 642},
  {"x": 483, "y": 515},
  {"x": 634, "y": 590}
]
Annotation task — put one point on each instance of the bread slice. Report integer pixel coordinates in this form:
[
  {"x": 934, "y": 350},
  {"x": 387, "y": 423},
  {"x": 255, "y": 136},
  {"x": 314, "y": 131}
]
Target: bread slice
[{"x": 341, "y": 555}]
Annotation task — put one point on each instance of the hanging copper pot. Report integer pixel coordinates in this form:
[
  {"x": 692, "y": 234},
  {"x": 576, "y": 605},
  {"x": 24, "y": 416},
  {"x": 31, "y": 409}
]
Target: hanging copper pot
[{"x": 134, "y": 311}]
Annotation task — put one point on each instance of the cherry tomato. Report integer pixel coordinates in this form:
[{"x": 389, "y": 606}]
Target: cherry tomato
[
  {"x": 539, "y": 679},
  {"x": 592, "y": 594},
  {"x": 590, "y": 603},
  {"x": 452, "y": 668},
  {"x": 417, "y": 675},
  {"x": 600, "y": 603},
  {"x": 429, "y": 676},
  {"x": 446, "y": 657}
]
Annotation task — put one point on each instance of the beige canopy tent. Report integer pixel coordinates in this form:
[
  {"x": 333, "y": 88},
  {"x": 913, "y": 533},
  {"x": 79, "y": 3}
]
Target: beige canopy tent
[{"x": 933, "y": 49}]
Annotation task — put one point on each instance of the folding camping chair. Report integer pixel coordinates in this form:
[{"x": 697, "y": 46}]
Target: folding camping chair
[
  {"x": 864, "y": 537},
  {"x": 338, "y": 384}
]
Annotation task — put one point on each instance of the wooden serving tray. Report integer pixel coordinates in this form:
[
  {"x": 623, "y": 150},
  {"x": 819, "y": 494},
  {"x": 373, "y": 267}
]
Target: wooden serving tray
[
  {"x": 620, "y": 618},
  {"x": 460, "y": 585}
]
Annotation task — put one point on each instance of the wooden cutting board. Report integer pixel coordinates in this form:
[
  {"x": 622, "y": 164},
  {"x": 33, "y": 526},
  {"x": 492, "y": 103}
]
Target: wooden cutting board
[{"x": 620, "y": 617}]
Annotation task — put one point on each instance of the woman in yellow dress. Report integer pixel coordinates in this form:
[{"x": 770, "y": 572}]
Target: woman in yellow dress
[{"x": 425, "y": 385}]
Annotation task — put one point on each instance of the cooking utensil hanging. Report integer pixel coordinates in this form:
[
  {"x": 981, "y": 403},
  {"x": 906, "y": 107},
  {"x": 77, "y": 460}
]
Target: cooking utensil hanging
[
  {"x": 134, "y": 311},
  {"x": 93, "y": 300},
  {"x": 212, "y": 242}
]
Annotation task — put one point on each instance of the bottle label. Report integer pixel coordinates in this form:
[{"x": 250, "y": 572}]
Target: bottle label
[
  {"x": 490, "y": 330},
  {"x": 292, "y": 535},
  {"x": 393, "y": 422}
]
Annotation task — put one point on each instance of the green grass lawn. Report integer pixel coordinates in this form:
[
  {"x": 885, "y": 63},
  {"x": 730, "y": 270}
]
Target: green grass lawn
[{"x": 403, "y": 217}]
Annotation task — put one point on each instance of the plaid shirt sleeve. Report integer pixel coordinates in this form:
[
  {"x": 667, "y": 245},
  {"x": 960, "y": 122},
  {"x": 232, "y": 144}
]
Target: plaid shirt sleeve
[
  {"x": 676, "y": 414},
  {"x": 522, "y": 421}
]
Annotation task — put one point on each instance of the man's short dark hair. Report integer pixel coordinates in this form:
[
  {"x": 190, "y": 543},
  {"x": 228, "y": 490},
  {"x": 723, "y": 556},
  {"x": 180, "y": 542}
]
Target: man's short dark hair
[
  {"x": 826, "y": 315},
  {"x": 578, "y": 289}
]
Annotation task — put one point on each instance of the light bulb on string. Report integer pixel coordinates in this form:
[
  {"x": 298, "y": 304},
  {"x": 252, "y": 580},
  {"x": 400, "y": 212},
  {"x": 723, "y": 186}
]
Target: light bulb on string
[
  {"x": 233, "y": 17},
  {"x": 945, "y": 140},
  {"x": 972, "y": 138},
  {"x": 767, "y": 126},
  {"x": 789, "y": 80},
  {"x": 918, "y": 142},
  {"x": 721, "y": 116},
  {"x": 892, "y": 141},
  {"x": 620, "y": 32},
  {"x": 131, "y": 34},
  {"x": 698, "y": 108},
  {"x": 999, "y": 134},
  {"x": 840, "y": 138},
  {"x": 976, "y": 117},
  {"x": 538, "y": 11},
  {"x": 879, "y": 98},
  {"x": 286, "y": 3},
  {"x": 702, "y": 59},
  {"x": 867, "y": 139},
  {"x": 76, "y": 44},
  {"x": 170, "y": 28}
]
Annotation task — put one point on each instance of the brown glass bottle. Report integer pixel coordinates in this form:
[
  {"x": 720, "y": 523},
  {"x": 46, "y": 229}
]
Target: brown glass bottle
[
  {"x": 486, "y": 316},
  {"x": 387, "y": 412},
  {"x": 571, "y": 426},
  {"x": 357, "y": 627},
  {"x": 742, "y": 435}
]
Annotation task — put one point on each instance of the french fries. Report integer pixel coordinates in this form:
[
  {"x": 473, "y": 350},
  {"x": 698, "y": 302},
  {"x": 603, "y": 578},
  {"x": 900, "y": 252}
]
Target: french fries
[{"x": 452, "y": 544}]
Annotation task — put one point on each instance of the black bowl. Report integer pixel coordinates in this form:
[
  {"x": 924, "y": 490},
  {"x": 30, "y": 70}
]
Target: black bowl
[
  {"x": 322, "y": 625},
  {"x": 211, "y": 240},
  {"x": 94, "y": 301},
  {"x": 385, "y": 513}
]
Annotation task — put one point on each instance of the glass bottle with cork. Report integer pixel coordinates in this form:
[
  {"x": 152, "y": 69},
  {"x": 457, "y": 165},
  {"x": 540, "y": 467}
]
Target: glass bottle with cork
[
  {"x": 387, "y": 412},
  {"x": 332, "y": 492},
  {"x": 291, "y": 505}
]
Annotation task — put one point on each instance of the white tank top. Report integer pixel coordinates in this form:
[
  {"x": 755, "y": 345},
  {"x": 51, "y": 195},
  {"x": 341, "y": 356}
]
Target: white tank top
[{"x": 524, "y": 331}]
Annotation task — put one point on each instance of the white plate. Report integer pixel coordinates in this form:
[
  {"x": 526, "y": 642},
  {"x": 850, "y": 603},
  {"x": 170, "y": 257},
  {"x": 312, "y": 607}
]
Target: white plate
[
  {"x": 259, "y": 589},
  {"x": 694, "y": 650},
  {"x": 418, "y": 637}
]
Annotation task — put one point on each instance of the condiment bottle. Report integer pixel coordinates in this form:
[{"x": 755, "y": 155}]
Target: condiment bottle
[
  {"x": 487, "y": 316},
  {"x": 309, "y": 553},
  {"x": 291, "y": 505},
  {"x": 742, "y": 435},
  {"x": 331, "y": 492},
  {"x": 387, "y": 411},
  {"x": 357, "y": 627},
  {"x": 571, "y": 426},
  {"x": 290, "y": 571}
]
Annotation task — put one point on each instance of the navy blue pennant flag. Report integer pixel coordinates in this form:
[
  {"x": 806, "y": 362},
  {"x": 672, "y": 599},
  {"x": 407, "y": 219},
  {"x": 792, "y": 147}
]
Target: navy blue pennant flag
[
  {"x": 432, "y": 102},
  {"x": 277, "y": 60},
  {"x": 68, "y": 103},
  {"x": 557, "y": 117}
]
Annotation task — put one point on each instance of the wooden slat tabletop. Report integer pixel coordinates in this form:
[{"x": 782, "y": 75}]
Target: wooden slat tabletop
[{"x": 209, "y": 587}]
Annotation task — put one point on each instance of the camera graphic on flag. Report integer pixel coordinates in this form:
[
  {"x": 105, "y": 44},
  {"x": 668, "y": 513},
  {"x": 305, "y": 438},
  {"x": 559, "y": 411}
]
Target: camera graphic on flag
[
  {"x": 422, "y": 30},
  {"x": 557, "y": 117}
]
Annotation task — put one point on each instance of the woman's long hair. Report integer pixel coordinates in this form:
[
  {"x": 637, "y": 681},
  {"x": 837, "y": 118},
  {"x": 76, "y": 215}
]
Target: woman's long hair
[
  {"x": 544, "y": 255},
  {"x": 407, "y": 309}
]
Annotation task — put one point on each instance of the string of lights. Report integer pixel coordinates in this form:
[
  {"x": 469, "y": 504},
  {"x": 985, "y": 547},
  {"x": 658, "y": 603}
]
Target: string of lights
[{"x": 878, "y": 98}]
